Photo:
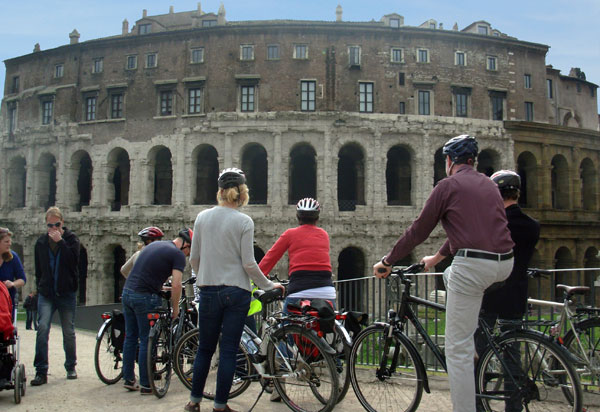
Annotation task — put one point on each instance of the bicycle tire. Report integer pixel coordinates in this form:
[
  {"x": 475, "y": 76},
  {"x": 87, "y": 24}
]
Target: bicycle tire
[
  {"x": 185, "y": 354},
  {"x": 108, "y": 361},
  {"x": 159, "y": 358},
  {"x": 589, "y": 374},
  {"x": 541, "y": 369},
  {"x": 342, "y": 360},
  {"x": 381, "y": 389},
  {"x": 297, "y": 351}
]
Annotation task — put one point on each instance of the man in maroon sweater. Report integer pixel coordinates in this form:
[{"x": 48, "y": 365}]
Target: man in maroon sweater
[{"x": 472, "y": 213}]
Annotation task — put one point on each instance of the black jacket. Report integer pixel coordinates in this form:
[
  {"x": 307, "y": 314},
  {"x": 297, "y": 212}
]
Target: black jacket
[
  {"x": 68, "y": 269},
  {"x": 510, "y": 301}
]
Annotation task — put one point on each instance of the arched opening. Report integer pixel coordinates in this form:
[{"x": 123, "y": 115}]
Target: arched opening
[
  {"x": 83, "y": 272},
  {"x": 439, "y": 166},
  {"x": 162, "y": 173},
  {"x": 591, "y": 260},
  {"x": 351, "y": 265},
  {"x": 46, "y": 181},
  {"x": 571, "y": 121},
  {"x": 302, "y": 173},
  {"x": 255, "y": 165},
  {"x": 118, "y": 178},
  {"x": 119, "y": 280},
  {"x": 81, "y": 164},
  {"x": 17, "y": 182},
  {"x": 560, "y": 182},
  {"x": 398, "y": 176},
  {"x": 488, "y": 161},
  {"x": 207, "y": 173},
  {"x": 526, "y": 168},
  {"x": 587, "y": 172},
  {"x": 351, "y": 177},
  {"x": 563, "y": 259}
]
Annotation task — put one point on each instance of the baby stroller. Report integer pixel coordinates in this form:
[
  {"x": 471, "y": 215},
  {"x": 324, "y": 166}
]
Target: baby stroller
[{"x": 12, "y": 372}]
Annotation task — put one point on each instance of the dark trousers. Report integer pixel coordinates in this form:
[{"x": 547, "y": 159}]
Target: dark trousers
[{"x": 31, "y": 319}]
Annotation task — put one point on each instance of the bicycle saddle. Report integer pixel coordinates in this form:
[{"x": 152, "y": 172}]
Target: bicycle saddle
[{"x": 574, "y": 290}]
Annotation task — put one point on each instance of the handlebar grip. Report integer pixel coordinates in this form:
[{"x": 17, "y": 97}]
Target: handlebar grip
[{"x": 381, "y": 270}]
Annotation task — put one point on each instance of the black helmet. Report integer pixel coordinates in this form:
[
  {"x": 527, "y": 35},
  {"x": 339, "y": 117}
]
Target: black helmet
[
  {"x": 506, "y": 180},
  {"x": 231, "y": 177},
  {"x": 460, "y": 148},
  {"x": 308, "y": 207},
  {"x": 186, "y": 234},
  {"x": 151, "y": 232}
]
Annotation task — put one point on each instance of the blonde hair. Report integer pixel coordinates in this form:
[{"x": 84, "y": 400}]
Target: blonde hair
[
  {"x": 238, "y": 196},
  {"x": 54, "y": 211},
  {"x": 4, "y": 232}
]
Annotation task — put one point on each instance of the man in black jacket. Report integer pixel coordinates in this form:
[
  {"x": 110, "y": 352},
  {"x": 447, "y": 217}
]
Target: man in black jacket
[{"x": 56, "y": 276}]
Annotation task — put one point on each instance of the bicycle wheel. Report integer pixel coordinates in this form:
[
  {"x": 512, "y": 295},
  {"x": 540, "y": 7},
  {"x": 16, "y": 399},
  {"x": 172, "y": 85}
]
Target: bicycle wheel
[
  {"x": 342, "y": 359},
  {"x": 383, "y": 371},
  {"x": 159, "y": 358},
  {"x": 108, "y": 360},
  {"x": 589, "y": 367},
  {"x": 303, "y": 373},
  {"x": 535, "y": 372}
]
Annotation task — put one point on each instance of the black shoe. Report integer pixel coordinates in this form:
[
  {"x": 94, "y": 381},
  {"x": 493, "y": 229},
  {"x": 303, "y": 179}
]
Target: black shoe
[
  {"x": 39, "y": 379},
  {"x": 145, "y": 391},
  {"x": 72, "y": 374}
]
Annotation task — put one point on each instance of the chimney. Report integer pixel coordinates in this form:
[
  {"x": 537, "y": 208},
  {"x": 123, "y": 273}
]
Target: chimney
[
  {"x": 221, "y": 14},
  {"x": 74, "y": 36},
  {"x": 199, "y": 8},
  {"x": 125, "y": 29},
  {"x": 455, "y": 27},
  {"x": 338, "y": 13},
  {"x": 171, "y": 9},
  {"x": 144, "y": 13},
  {"x": 36, "y": 48},
  {"x": 441, "y": 26}
]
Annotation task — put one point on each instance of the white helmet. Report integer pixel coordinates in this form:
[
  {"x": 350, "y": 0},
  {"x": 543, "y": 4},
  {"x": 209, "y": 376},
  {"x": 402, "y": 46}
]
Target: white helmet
[{"x": 308, "y": 207}]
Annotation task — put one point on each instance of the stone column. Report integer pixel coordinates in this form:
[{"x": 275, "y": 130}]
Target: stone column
[
  {"x": 326, "y": 187},
  {"x": 276, "y": 177},
  {"x": 180, "y": 171},
  {"x": 99, "y": 185},
  {"x": 62, "y": 167},
  {"x": 575, "y": 180},
  {"x": 545, "y": 179},
  {"x": 375, "y": 186},
  {"x": 31, "y": 196}
]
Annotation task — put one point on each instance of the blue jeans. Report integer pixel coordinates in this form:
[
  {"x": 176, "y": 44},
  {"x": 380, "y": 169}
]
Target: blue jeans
[
  {"x": 222, "y": 312},
  {"x": 135, "y": 308},
  {"x": 65, "y": 304}
]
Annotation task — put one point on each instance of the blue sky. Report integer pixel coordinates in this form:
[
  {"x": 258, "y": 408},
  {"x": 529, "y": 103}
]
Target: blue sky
[{"x": 570, "y": 28}]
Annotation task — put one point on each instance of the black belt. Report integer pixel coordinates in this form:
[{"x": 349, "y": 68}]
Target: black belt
[{"x": 484, "y": 255}]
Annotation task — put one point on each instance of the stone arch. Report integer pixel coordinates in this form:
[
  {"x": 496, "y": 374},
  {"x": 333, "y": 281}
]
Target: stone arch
[
  {"x": 351, "y": 177},
  {"x": 591, "y": 260},
  {"x": 439, "y": 166},
  {"x": 206, "y": 173},
  {"x": 398, "y": 175},
  {"x": 563, "y": 259},
  {"x": 351, "y": 265},
  {"x": 560, "y": 182},
  {"x": 161, "y": 175},
  {"x": 587, "y": 173},
  {"x": 17, "y": 182},
  {"x": 256, "y": 166},
  {"x": 571, "y": 120},
  {"x": 118, "y": 166},
  {"x": 488, "y": 161},
  {"x": 302, "y": 173},
  {"x": 526, "y": 168},
  {"x": 81, "y": 175},
  {"x": 46, "y": 181}
]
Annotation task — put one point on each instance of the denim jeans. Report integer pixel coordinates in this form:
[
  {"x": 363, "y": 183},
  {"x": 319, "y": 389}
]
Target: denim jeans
[
  {"x": 135, "y": 308},
  {"x": 65, "y": 304},
  {"x": 222, "y": 312}
]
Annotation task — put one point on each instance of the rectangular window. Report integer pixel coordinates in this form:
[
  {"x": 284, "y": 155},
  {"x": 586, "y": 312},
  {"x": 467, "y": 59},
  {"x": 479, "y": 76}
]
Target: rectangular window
[
  {"x": 151, "y": 60},
  {"x": 491, "y": 63},
  {"x": 354, "y": 55},
  {"x": 198, "y": 55},
  {"x": 209, "y": 23},
  {"x": 459, "y": 58},
  {"x": 423, "y": 56},
  {"x": 402, "y": 108},
  {"x": 424, "y": 103},
  {"x": 365, "y": 93},
  {"x": 397, "y": 55},
  {"x": 247, "y": 98},
  {"x": 300, "y": 51},
  {"x": 116, "y": 106},
  {"x": 308, "y": 94},
  {"x": 527, "y": 81},
  {"x": 461, "y": 104},
  {"x": 145, "y": 28},
  {"x": 90, "y": 108},
  {"x": 98, "y": 65},
  {"x": 131, "y": 62},
  {"x": 401, "y": 79},
  {"x": 12, "y": 117},
  {"x": 15, "y": 84},
  {"x": 166, "y": 102},
  {"x": 273, "y": 52},
  {"x": 395, "y": 23},
  {"x": 497, "y": 108},
  {"x": 529, "y": 111},
  {"x": 59, "y": 71},
  {"x": 246, "y": 52},
  {"x": 195, "y": 100},
  {"x": 550, "y": 89},
  {"x": 47, "y": 107},
  {"x": 482, "y": 30}
]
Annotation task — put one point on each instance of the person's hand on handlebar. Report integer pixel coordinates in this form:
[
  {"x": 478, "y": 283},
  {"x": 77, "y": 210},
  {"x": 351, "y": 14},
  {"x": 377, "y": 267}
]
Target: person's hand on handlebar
[
  {"x": 381, "y": 271},
  {"x": 279, "y": 286},
  {"x": 431, "y": 261}
]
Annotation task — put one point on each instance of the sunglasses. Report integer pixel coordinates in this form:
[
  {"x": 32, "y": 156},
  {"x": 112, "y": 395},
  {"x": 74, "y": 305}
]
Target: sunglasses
[{"x": 51, "y": 225}]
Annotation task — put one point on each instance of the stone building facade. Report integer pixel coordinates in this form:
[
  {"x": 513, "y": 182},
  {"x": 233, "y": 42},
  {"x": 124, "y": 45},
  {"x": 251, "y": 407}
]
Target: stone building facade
[{"x": 130, "y": 131}]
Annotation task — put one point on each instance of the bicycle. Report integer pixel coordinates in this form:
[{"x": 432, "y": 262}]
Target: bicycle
[
  {"x": 289, "y": 352},
  {"x": 395, "y": 375}
]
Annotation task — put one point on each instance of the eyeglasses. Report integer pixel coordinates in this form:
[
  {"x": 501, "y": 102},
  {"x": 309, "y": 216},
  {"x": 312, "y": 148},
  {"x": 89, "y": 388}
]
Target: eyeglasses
[{"x": 51, "y": 225}]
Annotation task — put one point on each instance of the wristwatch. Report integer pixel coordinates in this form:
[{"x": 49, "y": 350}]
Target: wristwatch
[{"x": 384, "y": 263}]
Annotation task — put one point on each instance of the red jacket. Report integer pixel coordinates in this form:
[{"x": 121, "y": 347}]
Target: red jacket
[{"x": 6, "y": 325}]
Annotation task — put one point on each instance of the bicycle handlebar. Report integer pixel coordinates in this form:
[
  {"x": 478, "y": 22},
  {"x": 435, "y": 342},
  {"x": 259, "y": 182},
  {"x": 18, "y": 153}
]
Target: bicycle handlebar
[
  {"x": 414, "y": 268},
  {"x": 536, "y": 273}
]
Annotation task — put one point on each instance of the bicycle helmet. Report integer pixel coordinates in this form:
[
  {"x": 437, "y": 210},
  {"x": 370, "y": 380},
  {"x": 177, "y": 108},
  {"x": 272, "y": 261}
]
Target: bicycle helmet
[
  {"x": 506, "y": 180},
  {"x": 186, "y": 234},
  {"x": 231, "y": 177},
  {"x": 151, "y": 232},
  {"x": 461, "y": 148},
  {"x": 308, "y": 207}
]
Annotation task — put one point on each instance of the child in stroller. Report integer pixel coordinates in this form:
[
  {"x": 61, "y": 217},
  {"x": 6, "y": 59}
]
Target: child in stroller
[{"x": 12, "y": 373}]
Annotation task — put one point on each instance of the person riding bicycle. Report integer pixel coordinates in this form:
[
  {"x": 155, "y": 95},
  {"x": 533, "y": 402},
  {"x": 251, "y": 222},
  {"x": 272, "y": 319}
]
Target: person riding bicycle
[
  {"x": 471, "y": 210},
  {"x": 147, "y": 235},
  {"x": 142, "y": 294}
]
